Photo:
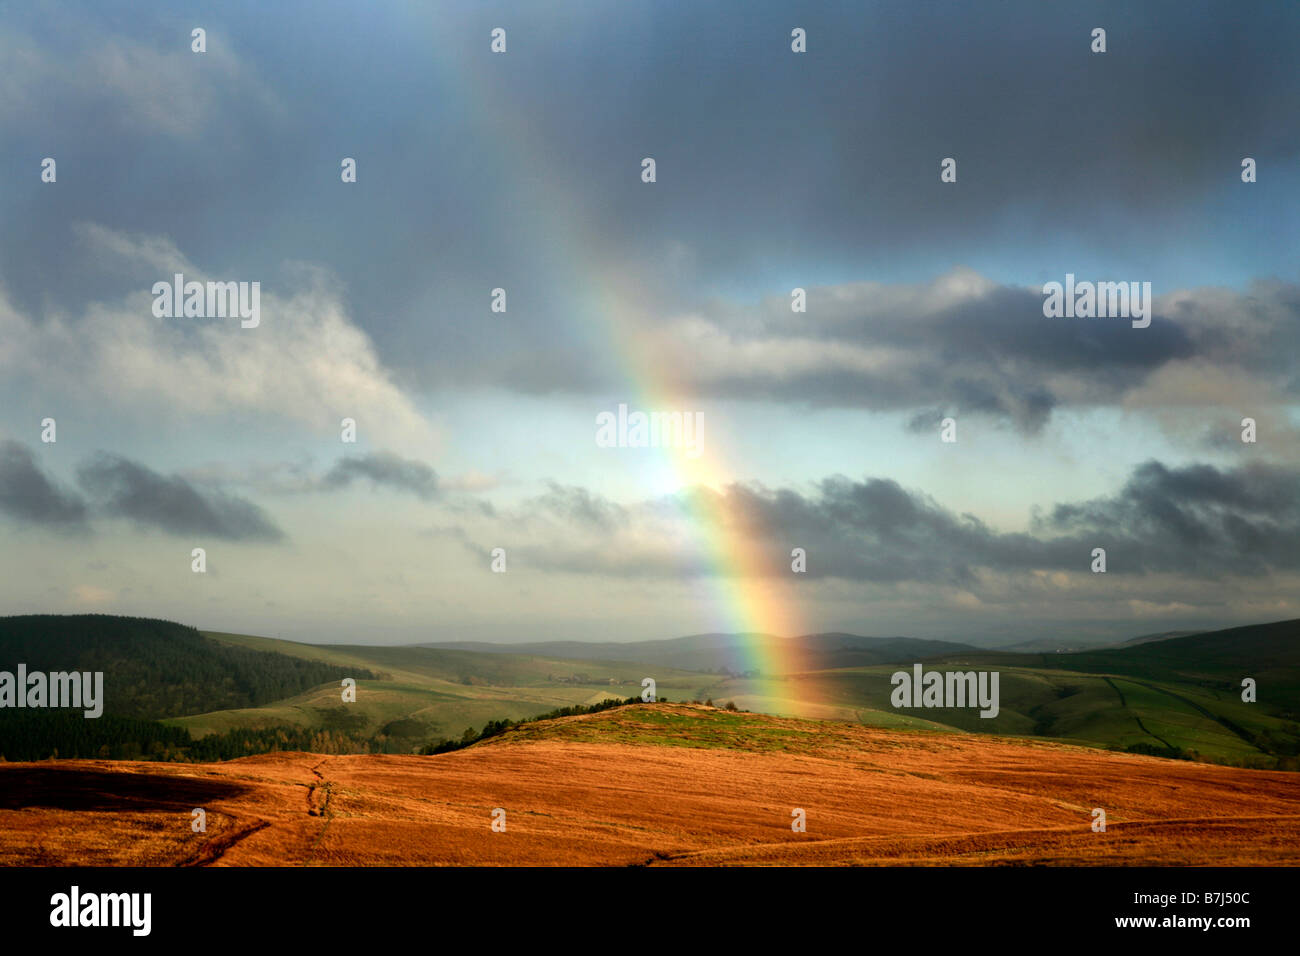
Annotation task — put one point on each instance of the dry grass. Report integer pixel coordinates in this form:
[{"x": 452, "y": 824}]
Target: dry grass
[{"x": 662, "y": 784}]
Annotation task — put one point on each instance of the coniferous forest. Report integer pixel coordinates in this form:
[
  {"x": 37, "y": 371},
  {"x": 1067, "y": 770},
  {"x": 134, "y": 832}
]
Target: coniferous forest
[{"x": 155, "y": 669}]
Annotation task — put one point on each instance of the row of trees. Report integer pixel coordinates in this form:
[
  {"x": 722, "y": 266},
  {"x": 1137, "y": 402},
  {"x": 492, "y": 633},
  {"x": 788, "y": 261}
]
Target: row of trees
[
  {"x": 44, "y": 734},
  {"x": 40, "y": 735},
  {"x": 494, "y": 728}
]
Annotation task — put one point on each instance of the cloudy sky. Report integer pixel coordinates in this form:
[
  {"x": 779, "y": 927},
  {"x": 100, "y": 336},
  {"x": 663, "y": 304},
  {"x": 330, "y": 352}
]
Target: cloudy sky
[{"x": 775, "y": 170}]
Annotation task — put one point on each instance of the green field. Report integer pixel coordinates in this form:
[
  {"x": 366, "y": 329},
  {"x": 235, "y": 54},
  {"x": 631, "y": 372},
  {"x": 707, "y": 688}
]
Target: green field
[
  {"x": 1179, "y": 696},
  {"x": 1116, "y": 711},
  {"x": 423, "y": 693}
]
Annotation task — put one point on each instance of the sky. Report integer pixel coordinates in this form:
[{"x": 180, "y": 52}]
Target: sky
[{"x": 775, "y": 170}]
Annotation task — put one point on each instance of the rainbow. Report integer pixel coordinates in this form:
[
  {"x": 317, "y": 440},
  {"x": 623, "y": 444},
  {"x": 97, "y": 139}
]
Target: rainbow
[{"x": 747, "y": 599}]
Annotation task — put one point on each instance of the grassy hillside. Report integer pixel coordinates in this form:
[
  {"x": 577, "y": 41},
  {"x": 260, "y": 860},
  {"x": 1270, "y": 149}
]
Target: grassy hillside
[
  {"x": 652, "y": 784},
  {"x": 421, "y": 694},
  {"x": 1177, "y": 696}
]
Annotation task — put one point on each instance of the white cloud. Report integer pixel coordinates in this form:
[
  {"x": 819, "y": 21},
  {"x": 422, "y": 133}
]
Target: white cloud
[
  {"x": 173, "y": 90},
  {"x": 306, "y": 363}
]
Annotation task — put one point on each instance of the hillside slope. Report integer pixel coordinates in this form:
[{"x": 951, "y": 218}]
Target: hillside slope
[
  {"x": 1180, "y": 696},
  {"x": 154, "y": 668},
  {"x": 420, "y": 694},
  {"x": 660, "y": 784}
]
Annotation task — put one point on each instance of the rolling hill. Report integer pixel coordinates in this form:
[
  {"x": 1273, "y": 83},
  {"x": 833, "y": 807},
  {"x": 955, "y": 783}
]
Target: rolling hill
[
  {"x": 158, "y": 668},
  {"x": 1170, "y": 694},
  {"x": 1179, "y": 696},
  {"x": 427, "y": 694},
  {"x": 660, "y": 784}
]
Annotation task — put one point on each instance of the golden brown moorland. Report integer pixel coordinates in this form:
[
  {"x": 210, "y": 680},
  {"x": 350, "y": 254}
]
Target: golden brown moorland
[{"x": 659, "y": 784}]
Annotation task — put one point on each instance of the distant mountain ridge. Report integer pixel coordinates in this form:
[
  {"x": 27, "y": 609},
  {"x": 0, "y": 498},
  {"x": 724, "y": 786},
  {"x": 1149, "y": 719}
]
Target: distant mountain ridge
[
  {"x": 734, "y": 653},
  {"x": 1262, "y": 648}
]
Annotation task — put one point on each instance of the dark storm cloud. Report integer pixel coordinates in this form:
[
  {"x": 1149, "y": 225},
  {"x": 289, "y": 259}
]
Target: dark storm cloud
[
  {"x": 1197, "y": 521},
  {"x": 835, "y": 153},
  {"x": 963, "y": 344},
  {"x": 523, "y": 168},
  {"x": 991, "y": 351},
  {"x": 28, "y": 495},
  {"x": 126, "y": 489},
  {"x": 386, "y": 470},
  {"x": 876, "y": 530},
  {"x": 1006, "y": 324}
]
